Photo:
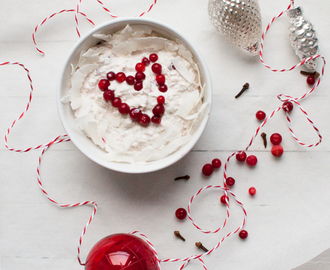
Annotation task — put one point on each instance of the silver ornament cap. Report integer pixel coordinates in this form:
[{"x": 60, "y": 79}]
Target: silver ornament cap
[
  {"x": 239, "y": 22},
  {"x": 303, "y": 37}
]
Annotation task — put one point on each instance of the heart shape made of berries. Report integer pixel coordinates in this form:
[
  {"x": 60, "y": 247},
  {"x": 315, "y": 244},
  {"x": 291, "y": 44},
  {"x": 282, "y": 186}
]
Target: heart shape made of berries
[{"x": 137, "y": 83}]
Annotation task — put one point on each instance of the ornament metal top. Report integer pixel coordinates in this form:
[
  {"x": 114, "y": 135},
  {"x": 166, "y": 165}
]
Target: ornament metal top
[
  {"x": 303, "y": 37},
  {"x": 238, "y": 21}
]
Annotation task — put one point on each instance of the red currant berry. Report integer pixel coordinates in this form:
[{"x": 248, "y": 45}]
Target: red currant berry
[
  {"x": 207, "y": 169},
  {"x": 140, "y": 76},
  {"x": 116, "y": 102},
  {"x": 287, "y": 106},
  {"x": 230, "y": 181},
  {"x": 310, "y": 80},
  {"x": 260, "y": 115},
  {"x": 277, "y": 150},
  {"x": 160, "y": 100},
  {"x": 216, "y": 163},
  {"x": 130, "y": 80},
  {"x": 104, "y": 84},
  {"x": 241, "y": 156},
  {"x": 160, "y": 79},
  {"x": 252, "y": 191},
  {"x": 140, "y": 67},
  {"x": 123, "y": 108},
  {"x": 156, "y": 119},
  {"x": 162, "y": 88},
  {"x": 144, "y": 120},
  {"x": 146, "y": 61},
  {"x": 111, "y": 76},
  {"x": 153, "y": 57},
  {"x": 275, "y": 138},
  {"x": 181, "y": 213},
  {"x": 158, "y": 110},
  {"x": 109, "y": 95},
  {"x": 251, "y": 160},
  {"x": 243, "y": 234},
  {"x": 138, "y": 86},
  {"x": 223, "y": 199},
  {"x": 120, "y": 77},
  {"x": 156, "y": 68},
  {"x": 135, "y": 113}
]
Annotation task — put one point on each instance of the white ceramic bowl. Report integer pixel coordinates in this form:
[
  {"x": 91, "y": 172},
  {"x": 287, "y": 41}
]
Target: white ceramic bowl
[{"x": 84, "y": 144}]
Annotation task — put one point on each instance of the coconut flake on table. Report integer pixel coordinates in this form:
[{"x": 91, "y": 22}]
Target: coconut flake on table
[{"x": 77, "y": 81}]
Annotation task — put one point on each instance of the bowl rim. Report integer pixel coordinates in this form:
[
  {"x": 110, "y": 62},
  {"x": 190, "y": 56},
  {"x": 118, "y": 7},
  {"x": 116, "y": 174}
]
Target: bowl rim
[{"x": 127, "y": 167}]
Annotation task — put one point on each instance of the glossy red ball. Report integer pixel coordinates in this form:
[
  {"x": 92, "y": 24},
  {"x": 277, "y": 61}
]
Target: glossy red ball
[
  {"x": 109, "y": 95},
  {"x": 156, "y": 68},
  {"x": 223, "y": 199},
  {"x": 158, "y": 110},
  {"x": 251, "y": 160},
  {"x": 144, "y": 120},
  {"x": 241, "y": 156},
  {"x": 181, "y": 213},
  {"x": 111, "y": 76},
  {"x": 162, "y": 88},
  {"x": 140, "y": 67},
  {"x": 277, "y": 150},
  {"x": 252, "y": 191},
  {"x": 120, "y": 77},
  {"x": 121, "y": 251},
  {"x": 216, "y": 163},
  {"x": 287, "y": 106},
  {"x": 153, "y": 57},
  {"x": 275, "y": 138},
  {"x": 146, "y": 61},
  {"x": 310, "y": 80},
  {"x": 156, "y": 119},
  {"x": 104, "y": 84},
  {"x": 135, "y": 113},
  {"x": 260, "y": 115},
  {"x": 207, "y": 169},
  {"x": 230, "y": 181},
  {"x": 124, "y": 108},
  {"x": 130, "y": 80},
  {"x": 243, "y": 234},
  {"x": 160, "y": 100}
]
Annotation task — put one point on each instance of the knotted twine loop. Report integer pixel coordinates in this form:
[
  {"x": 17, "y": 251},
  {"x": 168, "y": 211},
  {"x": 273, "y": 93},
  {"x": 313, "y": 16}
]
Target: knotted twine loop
[
  {"x": 78, "y": 12},
  {"x": 65, "y": 138}
]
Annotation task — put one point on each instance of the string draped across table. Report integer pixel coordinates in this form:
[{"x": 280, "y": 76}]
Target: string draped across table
[{"x": 224, "y": 189}]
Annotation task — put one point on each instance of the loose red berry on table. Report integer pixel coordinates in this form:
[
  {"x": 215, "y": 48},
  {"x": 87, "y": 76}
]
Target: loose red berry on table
[
  {"x": 181, "y": 213},
  {"x": 241, "y": 156},
  {"x": 160, "y": 79},
  {"x": 207, "y": 169},
  {"x": 260, "y": 115},
  {"x": 287, "y": 106},
  {"x": 277, "y": 150},
  {"x": 144, "y": 120},
  {"x": 111, "y": 76},
  {"x": 230, "y": 181},
  {"x": 310, "y": 80},
  {"x": 160, "y": 100},
  {"x": 135, "y": 113},
  {"x": 116, "y": 102},
  {"x": 243, "y": 234},
  {"x": 156, "y": 119},
  {"x": 275, "y": 138},
  {"x": 156, "y": 68},
  {"x": 140, "y": 67},
  {"x": 223, "y": 199},
  {"x": 109, "y": 95},
  {"x": 146, "y": 61},
  {"x": 252, "y": 191},
  {"x": 158, "y": 110},
  {"x": 140, "y": 76},
  {"x": 123, "y": 108},
  {"x": 251, "y": 160},
  {"x": 120, "y": 77},
  {"x": 162, "y": 88},
  {"x": 153, "y": 57},
  {"x": 130, "y": 80},
  {"x": 138, "y": 86},
  {"x": 216, "y": 163},
  {"x": 104, "y": 84}
]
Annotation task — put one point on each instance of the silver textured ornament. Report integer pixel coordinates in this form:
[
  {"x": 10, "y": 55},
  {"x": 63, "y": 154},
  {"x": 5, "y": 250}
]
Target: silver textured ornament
[
  {"x": 303, "y": 37},
  {"x": 238, "y": 21}
]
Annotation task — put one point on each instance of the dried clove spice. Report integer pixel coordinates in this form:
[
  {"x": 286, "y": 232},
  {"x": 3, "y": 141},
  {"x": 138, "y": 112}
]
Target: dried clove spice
[
  {"x": 307, "y": 73},
  {"x": 200, "y": 246},
  {"x": 177, "y": 234},
  {"x": 185, "y": 177},
  {"x": 244, "y": 88},
  {"x": 263, "y": 135}
]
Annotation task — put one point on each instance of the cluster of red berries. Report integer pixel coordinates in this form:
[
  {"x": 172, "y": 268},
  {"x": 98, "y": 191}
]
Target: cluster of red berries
[
  {"x": 137, "y": 82},
  {"x": 277, "y": 149},
  {"x": 208, "y": 168},
  {"x": 250, "y": 160}
]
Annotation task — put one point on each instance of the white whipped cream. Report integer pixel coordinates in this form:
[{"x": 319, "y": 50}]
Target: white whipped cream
[{"x": 123, "y": 139}]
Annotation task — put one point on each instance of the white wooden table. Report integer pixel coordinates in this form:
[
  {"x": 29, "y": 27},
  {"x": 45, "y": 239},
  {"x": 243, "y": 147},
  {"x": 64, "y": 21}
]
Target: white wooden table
[{"x": 288, "y": 219}]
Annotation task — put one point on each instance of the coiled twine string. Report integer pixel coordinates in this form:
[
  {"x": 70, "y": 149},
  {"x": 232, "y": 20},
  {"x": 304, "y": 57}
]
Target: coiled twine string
[{"x": 228, "y": 193}]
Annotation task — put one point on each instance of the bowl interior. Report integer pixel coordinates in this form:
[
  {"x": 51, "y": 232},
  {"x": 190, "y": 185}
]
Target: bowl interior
[{"x": 84, "y": 144}]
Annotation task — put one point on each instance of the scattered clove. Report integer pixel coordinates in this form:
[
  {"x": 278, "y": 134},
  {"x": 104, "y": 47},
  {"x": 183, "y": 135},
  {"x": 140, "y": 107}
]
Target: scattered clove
[
  {"x": 263, "y": 135},
  {"x": 200, "y": 246},
  {"x": 244, "y": 88},
  {"x": 307, "y": 73},
  {"x": 177, "y": 234},
  {"x": 185, "y": 177}
]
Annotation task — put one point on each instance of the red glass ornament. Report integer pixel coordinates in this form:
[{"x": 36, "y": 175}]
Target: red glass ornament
[{"x": 121, "y": 252}]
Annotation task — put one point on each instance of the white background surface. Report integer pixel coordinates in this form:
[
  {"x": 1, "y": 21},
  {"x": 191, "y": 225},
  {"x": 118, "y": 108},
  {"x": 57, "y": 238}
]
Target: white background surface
[{"x": 288, "y": 219}]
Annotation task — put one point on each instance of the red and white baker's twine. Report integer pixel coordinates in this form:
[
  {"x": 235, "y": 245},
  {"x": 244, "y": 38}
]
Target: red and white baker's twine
[
  {"x": 78, "y": 12},
  {"x": 228, "y": 193}
]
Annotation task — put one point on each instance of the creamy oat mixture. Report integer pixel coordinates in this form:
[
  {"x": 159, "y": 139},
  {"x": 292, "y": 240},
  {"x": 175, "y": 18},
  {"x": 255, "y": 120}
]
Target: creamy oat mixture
[{"x": 123, "y": 139}]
